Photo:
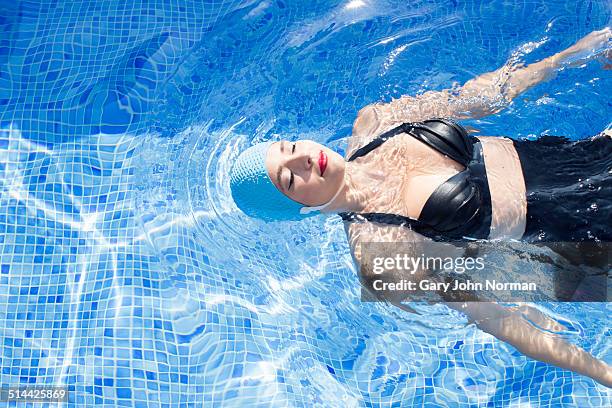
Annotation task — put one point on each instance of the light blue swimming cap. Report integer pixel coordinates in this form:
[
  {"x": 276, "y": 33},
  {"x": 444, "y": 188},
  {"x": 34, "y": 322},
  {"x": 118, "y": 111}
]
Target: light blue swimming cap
[{"x": 254, "y": 192}]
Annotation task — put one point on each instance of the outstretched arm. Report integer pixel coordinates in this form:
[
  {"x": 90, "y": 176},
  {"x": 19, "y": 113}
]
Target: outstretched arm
[
  {"x": 509, "y": 325},
  {"x": 490, "y": 92}
]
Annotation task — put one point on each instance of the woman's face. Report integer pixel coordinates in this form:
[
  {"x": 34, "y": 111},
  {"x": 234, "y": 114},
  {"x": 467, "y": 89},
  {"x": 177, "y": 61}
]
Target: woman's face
[{"x": 305, "y": 171}]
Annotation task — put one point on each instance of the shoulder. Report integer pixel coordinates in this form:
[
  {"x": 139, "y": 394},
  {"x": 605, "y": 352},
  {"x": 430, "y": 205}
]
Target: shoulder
[
  {"x": 364, "y": 128},
  {"x": 377, "y": 117},
  {"x": 367, "y": 124},
  {"x": 367, "y": 120}
]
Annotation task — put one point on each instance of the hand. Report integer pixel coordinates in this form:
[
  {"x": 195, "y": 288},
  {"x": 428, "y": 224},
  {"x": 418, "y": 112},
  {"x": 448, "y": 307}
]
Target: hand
[
  {"x": 595, "y": 44},
  {"x": 538, "y": 318}
]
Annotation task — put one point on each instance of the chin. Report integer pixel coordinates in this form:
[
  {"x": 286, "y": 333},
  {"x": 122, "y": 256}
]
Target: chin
[
  {"x": 335, "y": 163},
  {"x": 336, "y": 174},
  {"x": 335, "y": 156}
]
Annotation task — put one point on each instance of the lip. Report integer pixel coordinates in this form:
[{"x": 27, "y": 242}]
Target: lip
[{"x": 322, "y": 162}]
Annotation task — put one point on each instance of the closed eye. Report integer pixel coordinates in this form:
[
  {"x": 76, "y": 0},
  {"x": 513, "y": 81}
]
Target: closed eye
[{"x": 291, "y": 177}]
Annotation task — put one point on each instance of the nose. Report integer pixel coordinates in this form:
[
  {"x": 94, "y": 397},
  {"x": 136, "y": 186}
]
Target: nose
[{"x": 300, "y": 161}]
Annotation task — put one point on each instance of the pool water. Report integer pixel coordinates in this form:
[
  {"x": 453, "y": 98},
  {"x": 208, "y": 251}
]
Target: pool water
[{"x": 128, "y": 275}]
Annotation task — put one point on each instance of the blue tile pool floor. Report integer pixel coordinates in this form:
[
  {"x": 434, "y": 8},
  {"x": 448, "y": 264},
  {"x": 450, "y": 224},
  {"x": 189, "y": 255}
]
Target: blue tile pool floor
[{"x": 127, "y": 274}]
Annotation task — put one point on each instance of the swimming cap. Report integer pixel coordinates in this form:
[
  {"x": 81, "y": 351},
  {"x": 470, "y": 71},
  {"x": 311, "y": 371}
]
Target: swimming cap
[{"x": 254, "y": 192}]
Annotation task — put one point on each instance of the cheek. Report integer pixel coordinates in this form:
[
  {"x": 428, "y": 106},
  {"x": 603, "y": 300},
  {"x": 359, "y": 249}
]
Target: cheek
[{"x": 311, "y": 193}]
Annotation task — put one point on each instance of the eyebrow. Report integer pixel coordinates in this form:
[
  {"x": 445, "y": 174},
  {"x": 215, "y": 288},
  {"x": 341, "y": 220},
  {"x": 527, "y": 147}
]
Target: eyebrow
[{"x": 280, "y": 169}]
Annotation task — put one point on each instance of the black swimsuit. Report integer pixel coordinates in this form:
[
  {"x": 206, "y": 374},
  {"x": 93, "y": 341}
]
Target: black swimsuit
[
  {"x": 569, "y": 188},
  {"x": 460, "y": 208},
  {"x": 568, "y": 185}
]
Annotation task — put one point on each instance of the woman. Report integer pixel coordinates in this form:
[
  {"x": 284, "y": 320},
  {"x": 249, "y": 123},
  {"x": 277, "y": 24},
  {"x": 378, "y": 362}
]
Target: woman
[{"x": 430, "y": 180}]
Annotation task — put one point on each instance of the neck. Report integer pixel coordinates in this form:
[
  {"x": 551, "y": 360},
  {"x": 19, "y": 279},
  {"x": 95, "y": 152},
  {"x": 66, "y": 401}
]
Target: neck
[{"x": 357, "y": 190}]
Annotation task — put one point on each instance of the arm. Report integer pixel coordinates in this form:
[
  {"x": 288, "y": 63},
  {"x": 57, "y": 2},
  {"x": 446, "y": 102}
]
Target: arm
[
  {"x": 398, "y": 241},
  {"x": 510, "y": 326},
  {"x": 489, "y": 93},
  {"x": 360, "y": 233},
  {"x": 506, "y": 324}
]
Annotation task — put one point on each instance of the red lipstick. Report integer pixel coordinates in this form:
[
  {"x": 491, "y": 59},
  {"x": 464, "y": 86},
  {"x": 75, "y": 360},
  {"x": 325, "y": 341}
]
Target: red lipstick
[{"x": 322, "y": 162}]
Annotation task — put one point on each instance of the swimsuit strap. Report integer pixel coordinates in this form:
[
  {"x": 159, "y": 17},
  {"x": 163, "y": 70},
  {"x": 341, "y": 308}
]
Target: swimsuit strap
[
  {"x": 399, "y": 220},
  {"x": 374, "y": 143},
  {"x": 455, "y": 146}
]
